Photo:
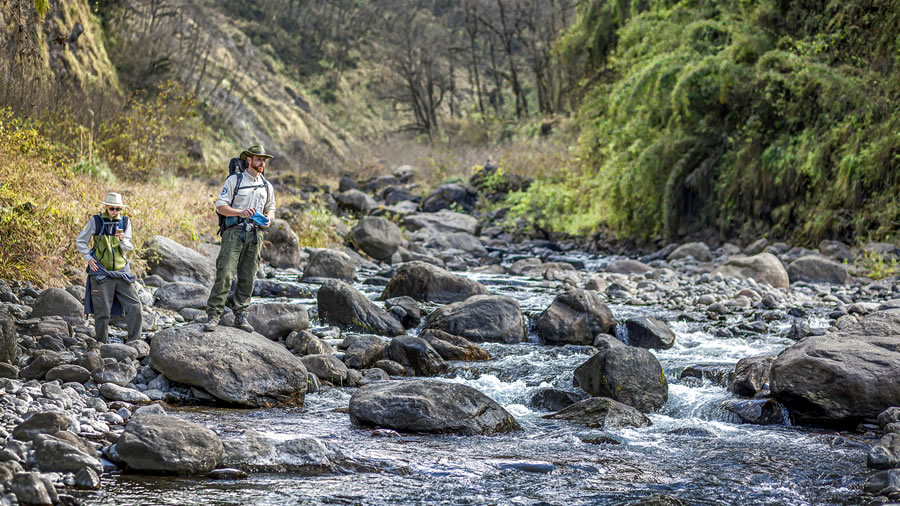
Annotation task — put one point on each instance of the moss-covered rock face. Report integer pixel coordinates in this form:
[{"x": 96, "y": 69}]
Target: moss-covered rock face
[{"x": 732, "y": 117}]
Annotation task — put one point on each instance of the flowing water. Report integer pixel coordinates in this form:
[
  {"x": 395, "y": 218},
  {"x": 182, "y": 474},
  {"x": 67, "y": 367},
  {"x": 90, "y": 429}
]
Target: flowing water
[{"x": 695, "y": 451}]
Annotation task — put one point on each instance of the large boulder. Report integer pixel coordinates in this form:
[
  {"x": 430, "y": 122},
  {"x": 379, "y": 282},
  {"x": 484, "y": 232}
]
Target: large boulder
[
  {"x": 57, "y": 302},
  {"x": 377, "y": 237},
  {"x": 602, "y": 413},
  {"x": 343, "y": 305},
  {"x": 174, "y": 262},
  {"x": 647, "y": 332},
  {"x": 355, "y": 201},
  {"x": 818, "y": 269},
  {"x": 232, "y": 365},
  {"x": 481, "y": 318},
  {"x": 429, "y": 283},
  {"x": 575, "y": 317},
  {"x": 626, "y": 374},
  {"x": 844, "y": 376},
  {"x": 329, "y": 264},
  {"x": 64, "y": 452},
  {"x": 281, "y": 247},
  {"x": 451, "y": 347},
  {"x": 443, "y": 221},
  {"x": 278, "y": 319},
  {"x": 764, "y": 268},
  {"x": 7, "y": 338},
  {"x": 450, "y": 195},
  {"x": 430, "y": 406},
  {"x": 417, "y": 356},
  {"x": 698, "y": 250},
  {"x": 170, "y": 445},
  {"x": 181, "y": 294}
]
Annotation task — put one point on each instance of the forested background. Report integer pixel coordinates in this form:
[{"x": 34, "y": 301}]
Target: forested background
[{"x": 643, "y": 120}]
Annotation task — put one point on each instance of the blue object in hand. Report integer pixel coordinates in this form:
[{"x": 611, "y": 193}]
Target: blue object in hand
[{"x": 260, "y": 219}]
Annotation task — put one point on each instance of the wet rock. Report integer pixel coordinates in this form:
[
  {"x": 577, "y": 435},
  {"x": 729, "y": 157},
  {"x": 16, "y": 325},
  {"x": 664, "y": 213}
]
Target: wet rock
[
  {"x": 716, "y": 374},
  {"x": 764, "y": 268},
  {"x": 166, "y": 444},
  {"x": 416, "y": 356},
  {"x": 269, "y": 373},
  {"x": 799, "y": 329},
  {"x": 68, "y": 373},
  {"x": 886, "y": 453},
  {"x": 843, "y": 376},
  {"x": 275, "y": 288},
  {"x": 647, "y": 332},
  {"x": 303, "y": 455},
  {"x": 553, "y": 399},
  {"x": 64, "y": 452},
  {"x": 430, "y": 406},
  {"x": 451, "y": 347},
  {"x": 481, "y": 318},
  {"x": 355, "y": 201},
  {"x": 889, "y": 416},
  {"x": 57, "y": 302},
  {"x": 574, "y": 317},
  {"x": 818, "y": 269},
  {"x": 30, "y": 488},
  {"x": 306, "y": 343},
  {"x": 445, "y": 196},
  {"x": 626, "y": 374},
  {"x": 114, "y": 392},
  {"x": 181, "y": 294},
  {"x": 281, "y": 247},
  {"x": 327, "y": 367},
  {"x": 329, "y": 264},
  {"x": 428, "y": 283},
  {"x": 363, "y": 351},
  {"x": 46, "y": 422},
  {"x": 174, "y": 262},
  {"x": 405, "y": 309},
  {"x": 7, "y": 338},
  {"x": 628, "y": 267},
  {"x": 602, "y": 413},
  {"x": 758, "y": 411},
  {"x": 377, "y": 237},
  {"x": 227, "y": 474},
  {"x": 443, "y": 221},
  {"x": 698, "y": 250},
  {"x": 87, "y": 479},
  {"x": 278, "y": 319},
  {"x": 343, "y": 305},
  {"x": 117, "y": 372},
  {"x": 751, "y": 375}
]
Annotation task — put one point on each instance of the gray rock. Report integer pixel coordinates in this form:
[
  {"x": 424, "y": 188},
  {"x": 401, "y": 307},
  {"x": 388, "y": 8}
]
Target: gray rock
[
  {"x": 457, "y": 241},
  {"x": 8, "y": 371},
  {"x": 429, "y": 406},
  {"x": 53, "y": 326},
  {"x": 554, "y": 399},
  {"x": 181, "y": 294},
  {"x": 626, "y": 374},
  {"x": 406, "y": 310},
  {"x": 87, "y": 479},
  {"x": 886, "y": 453},
  {"x": 166, "y": 444},
  {"x": 363, "y": 351},
  {"x": 329, "y": 264},
  {"x": 698, "y": 250},
  {"x": 647, "y": 332},
  {"x": 889, "y": 416},
  {"x": 602, "y": 413},
  {"x": 7, "y": 338},
  {"x": 372, "y": 375},
  {"x": 278, "y": 319},
  {"x": 68, "y": 373},
  {"x": 758, "y": 411},
  {"x": 428, "y": 283},
  {"x": 141, "y": 347},
  {"x": 117, "y": 372},
  {"x": 443, "y": 221},
  {"x": 818, "y": 269},
  {"x": 356, "y": 201},
  {"x": 574, "y": 317},
  {"x": 89, "y": 360},
  {"x": 628, "y": 267},
  {"x": 305, "y": 343},
  {"x": 764, "y": 268},
  {"x": 57, "y": 302},
  {"x": 269, "y": 374},
  {"x": 836, "y": 250},
  {"x": 281, "y": 248},
  {"x": 451, "y": 347},
  {"x": 842, "y": 376},
  {"x": 43, "y": 362},
  {"x": 152, "y": 409},
  {"x": 343, "y": 305},
  {"x": 327, "y": 367},
  {"x": 481, "y": 318},
  {"x": 64, "y": 452},
  {"x": 377, "y": 237},
  {"x": 417, "y": 356},
  {"x": 119, "y": 352},
  {"x": 45, "y": 422},
  {"x": 751, "y": 375},
  {"x": 390, "y": 368},
  {"x": 878, "y": 483},
  {"x": 301, "y": 454},
  {"x": 114, "y": 392},
  {"x": 756, "y": 247},
  {"x": 445, "y": 196},
  {"x": 174, "y": 262},
  {"x": 29, "y": 488}
]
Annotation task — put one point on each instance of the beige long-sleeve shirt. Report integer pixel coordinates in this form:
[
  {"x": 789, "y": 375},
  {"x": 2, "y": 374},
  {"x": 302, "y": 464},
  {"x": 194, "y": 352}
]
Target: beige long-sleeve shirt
[{"x": 252, "y": 194}]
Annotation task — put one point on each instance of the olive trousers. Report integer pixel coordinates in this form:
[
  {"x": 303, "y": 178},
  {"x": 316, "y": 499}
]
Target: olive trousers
[
  {"x": 102, "y": 295},
  {"x": 239, "y": 256}
]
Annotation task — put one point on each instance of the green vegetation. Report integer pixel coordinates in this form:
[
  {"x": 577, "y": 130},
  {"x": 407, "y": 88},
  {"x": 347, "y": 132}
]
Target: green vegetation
[{"x": 735, "y": 116}]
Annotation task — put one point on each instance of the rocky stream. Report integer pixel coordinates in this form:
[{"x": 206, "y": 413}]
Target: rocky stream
[{"x": 452, "y": 361}]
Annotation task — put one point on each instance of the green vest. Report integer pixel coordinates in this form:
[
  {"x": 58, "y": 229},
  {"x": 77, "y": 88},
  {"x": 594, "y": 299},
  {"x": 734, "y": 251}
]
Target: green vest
[{"x": 106, "y": 248}]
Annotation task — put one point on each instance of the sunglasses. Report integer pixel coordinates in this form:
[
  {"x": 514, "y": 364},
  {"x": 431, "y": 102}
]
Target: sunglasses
[{"x": 114, "y": 208}]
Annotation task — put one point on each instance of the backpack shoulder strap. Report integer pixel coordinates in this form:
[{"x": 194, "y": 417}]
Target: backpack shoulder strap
[
  {"x": 237, "y": 186},
  {"x": 98, "y": 224}
]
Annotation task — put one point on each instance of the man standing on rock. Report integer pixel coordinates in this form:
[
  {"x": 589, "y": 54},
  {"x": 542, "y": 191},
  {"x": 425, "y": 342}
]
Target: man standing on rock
[
  {"x": 244, "y": 194},
  {"x": 110, "y": 284}
]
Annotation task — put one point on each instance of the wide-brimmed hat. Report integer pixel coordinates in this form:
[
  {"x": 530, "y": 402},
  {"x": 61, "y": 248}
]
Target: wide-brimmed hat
[
  {"x": 113, "y": 199},
  {"x": 256, "y": 150}
]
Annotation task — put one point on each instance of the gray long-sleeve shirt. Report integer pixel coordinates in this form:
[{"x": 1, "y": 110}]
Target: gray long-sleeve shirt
[{"x": 83, "y": 242}]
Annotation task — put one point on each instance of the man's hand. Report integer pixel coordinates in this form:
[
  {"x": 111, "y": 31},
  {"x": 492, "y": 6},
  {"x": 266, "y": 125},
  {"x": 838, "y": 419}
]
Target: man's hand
[
  {"x": 246, "y": 213},
  {"x": 92, "y": 264}
]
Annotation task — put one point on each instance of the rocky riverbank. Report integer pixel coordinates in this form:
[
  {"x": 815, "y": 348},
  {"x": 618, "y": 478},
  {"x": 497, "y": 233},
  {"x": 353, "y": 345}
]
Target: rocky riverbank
[{"x": 75, "y": 410}]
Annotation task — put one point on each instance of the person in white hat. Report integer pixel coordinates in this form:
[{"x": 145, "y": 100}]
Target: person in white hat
[{"x": 110, "y": 285}]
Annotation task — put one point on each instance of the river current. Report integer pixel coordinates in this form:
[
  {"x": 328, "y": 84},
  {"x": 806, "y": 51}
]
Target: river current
[{"x": 695, "y": 451}]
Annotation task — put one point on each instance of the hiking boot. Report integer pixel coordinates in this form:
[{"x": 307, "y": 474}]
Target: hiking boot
[
  {"x": 240, "y": 322},
  {"x": 211, "y": 323}
]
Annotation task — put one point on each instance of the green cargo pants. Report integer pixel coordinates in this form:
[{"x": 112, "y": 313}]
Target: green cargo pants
[{"x": 238, "y": 256}]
